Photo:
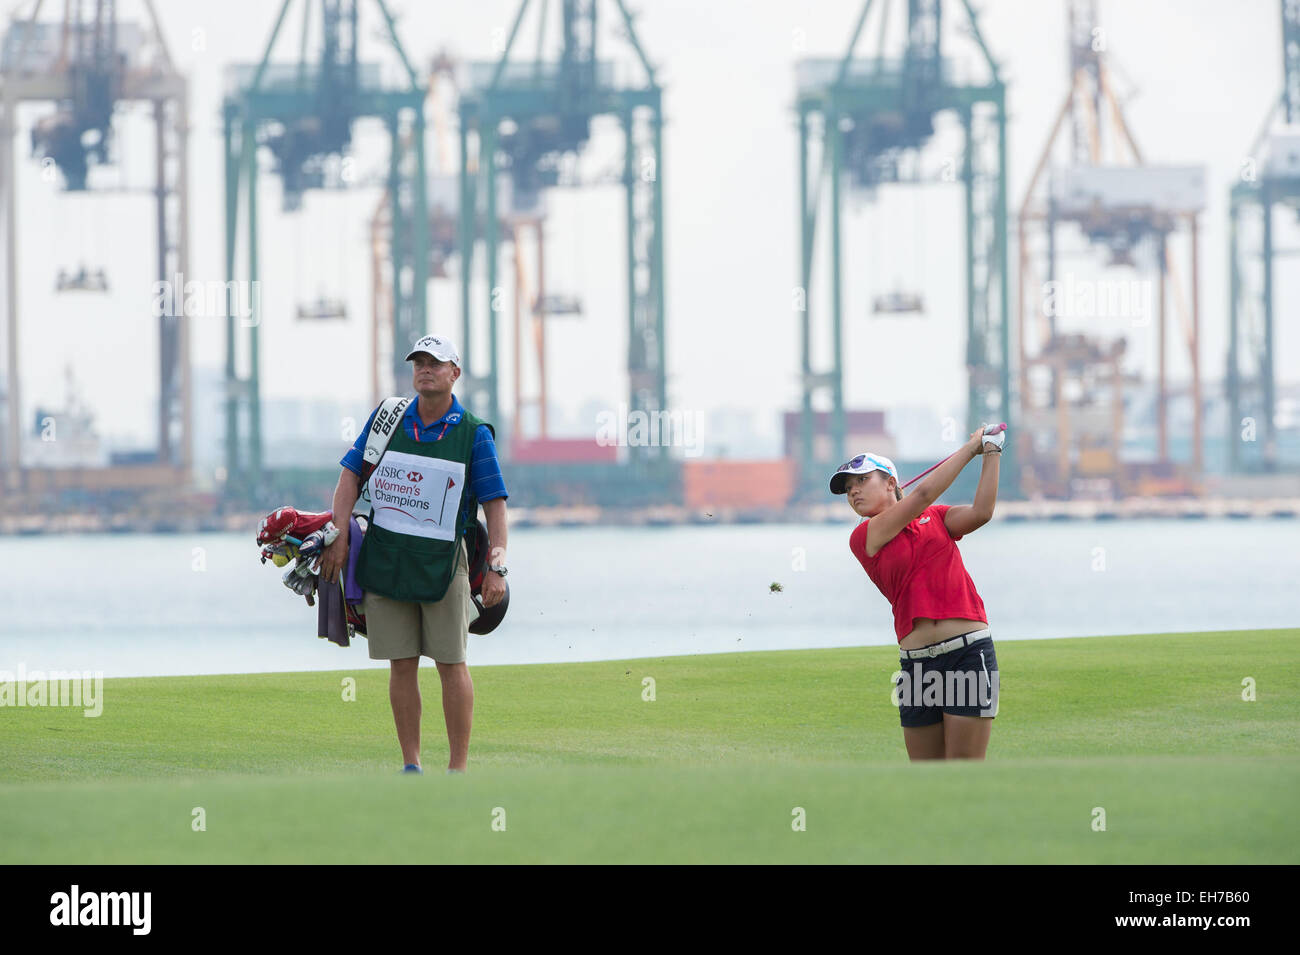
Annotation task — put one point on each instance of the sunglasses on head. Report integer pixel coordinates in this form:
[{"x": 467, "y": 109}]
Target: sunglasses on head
[{"x": 857, "y": 463}]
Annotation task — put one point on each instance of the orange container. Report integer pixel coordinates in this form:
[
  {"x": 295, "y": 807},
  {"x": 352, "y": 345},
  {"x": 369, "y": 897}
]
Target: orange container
[{"x": 742, "y": 485}]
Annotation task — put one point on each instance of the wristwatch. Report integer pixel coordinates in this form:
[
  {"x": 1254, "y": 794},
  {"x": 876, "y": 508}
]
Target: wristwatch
[{"x": 497, "y": 570}]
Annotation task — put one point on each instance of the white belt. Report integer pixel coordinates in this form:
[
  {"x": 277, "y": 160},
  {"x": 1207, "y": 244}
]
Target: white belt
[{"x": 944, "y": 646}]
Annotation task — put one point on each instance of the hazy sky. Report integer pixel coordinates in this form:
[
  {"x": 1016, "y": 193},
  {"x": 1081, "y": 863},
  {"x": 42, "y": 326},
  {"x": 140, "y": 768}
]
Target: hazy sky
[{"x": 1199, "y": 75}]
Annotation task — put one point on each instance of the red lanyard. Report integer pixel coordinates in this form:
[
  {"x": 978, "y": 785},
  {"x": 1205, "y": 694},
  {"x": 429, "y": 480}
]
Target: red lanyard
[{"x": 416, "y": 425}]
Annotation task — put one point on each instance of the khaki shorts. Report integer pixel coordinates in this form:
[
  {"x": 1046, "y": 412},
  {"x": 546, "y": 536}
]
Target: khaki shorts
[{"x": 400, "y": 629}]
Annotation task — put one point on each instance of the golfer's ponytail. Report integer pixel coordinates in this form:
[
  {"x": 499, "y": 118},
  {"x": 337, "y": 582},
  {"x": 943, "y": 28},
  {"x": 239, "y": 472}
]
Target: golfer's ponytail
[{"x": 898, "y": 493}]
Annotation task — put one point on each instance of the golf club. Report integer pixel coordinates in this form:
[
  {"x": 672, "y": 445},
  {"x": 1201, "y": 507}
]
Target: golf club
[{"x": 991, "y": 430}]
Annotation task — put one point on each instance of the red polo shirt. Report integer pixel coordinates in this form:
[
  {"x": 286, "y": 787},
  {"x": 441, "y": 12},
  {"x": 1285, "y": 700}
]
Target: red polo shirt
[{"x": 920, "y": 572}]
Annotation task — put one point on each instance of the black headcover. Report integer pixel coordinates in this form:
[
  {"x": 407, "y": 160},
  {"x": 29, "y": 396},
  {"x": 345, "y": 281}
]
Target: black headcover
[{"x": 488, "y": 617}]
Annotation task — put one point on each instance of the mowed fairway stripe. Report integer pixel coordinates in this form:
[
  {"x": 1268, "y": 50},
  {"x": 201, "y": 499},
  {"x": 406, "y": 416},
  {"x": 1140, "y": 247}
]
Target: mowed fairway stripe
[
  {"x": 1220, "y": 810},
  {"x": 1152, "y": 728}
]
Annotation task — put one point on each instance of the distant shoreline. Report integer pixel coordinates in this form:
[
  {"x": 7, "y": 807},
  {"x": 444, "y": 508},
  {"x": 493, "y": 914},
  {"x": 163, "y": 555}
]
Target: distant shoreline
[{"x": 18, "y": 525}]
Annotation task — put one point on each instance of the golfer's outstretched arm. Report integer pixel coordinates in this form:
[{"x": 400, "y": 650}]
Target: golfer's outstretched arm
[
  {"x": 986, "y": 495},
  {"x": 885, "y": 527},
  {"x": 963, "y": 519},
  {"x": 941, "y": 478}
]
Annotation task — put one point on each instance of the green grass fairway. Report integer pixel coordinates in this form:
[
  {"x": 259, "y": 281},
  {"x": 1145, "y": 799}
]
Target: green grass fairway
[{"x": 580, "y": 768}]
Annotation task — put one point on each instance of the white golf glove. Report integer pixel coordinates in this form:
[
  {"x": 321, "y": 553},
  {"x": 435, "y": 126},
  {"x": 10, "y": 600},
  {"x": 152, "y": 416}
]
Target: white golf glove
[{"x": 996, "y": 440}]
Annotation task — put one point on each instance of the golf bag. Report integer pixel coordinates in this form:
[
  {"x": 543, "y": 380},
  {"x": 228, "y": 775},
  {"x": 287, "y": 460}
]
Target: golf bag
[{"x": 295, "y": 539}]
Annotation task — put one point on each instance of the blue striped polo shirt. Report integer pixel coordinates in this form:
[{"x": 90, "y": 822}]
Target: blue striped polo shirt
[{"x": 485, "y": 479}]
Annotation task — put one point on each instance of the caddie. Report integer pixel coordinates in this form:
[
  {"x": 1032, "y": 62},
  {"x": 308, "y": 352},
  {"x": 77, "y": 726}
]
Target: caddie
[{"x": 425, "y": 489}]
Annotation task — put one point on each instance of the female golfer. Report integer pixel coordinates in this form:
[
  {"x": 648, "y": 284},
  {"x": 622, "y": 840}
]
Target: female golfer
[{"x": 947, "y": 687}]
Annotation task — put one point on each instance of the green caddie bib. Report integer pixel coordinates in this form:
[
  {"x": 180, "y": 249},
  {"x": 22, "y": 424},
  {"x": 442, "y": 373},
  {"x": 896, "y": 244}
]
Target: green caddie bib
[{"x": 413, "y": 540}]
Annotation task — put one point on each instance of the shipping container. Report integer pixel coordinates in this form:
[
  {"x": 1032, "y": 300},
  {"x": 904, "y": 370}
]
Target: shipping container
[
  {"x": 562, "y": 450},
  {"x": 766, "y": 485}
]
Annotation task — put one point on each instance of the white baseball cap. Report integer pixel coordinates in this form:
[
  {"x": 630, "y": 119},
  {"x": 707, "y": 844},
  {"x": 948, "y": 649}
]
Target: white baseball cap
[
  {"x": 864, "y": 463},
  {"x": 439, "y": 348}
]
